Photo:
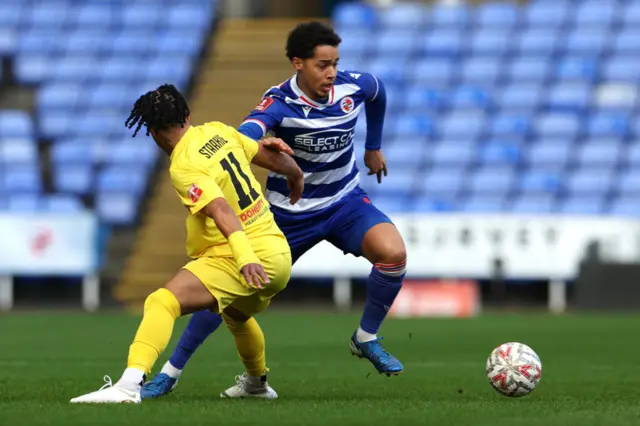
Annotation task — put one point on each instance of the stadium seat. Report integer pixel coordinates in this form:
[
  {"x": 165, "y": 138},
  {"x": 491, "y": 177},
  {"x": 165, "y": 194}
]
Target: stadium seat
[
  {"x": 15, "y": 124},
  {"x": 23, "y": 178},
  {"x": 572, "y": 97},
  {"x": 8, "y": 41},
  {"x": 534, "y": 204},
  {"x": 23, "y": 203},
  {"x": 31, "y": 68},
  {"x": 459, "y": 125},
  {"x": 625, "y": 206},
  {"x": 456, "y": 153},
  {"x": 576, "y": 68},
  {"x": 538, "y": 182},
  {"x": 117, "y": 208},
  {"x": 491, "y": 180},
  {"x": 596, "y": 14},
  {"x": 500, "y": 153},
  {"x": 490, "y": 42},
  {"x": 622, "y": 69},
  {"x": 549, "y": 152},
  {"x": 61, "y": 203},
  {"x": 354, "y": 15},
  {"x": 546, "y": 14},
  {"x": 560, "y": 125},
  {"x": 74, "y": 179},
  {"x": 483, "y": 204},
  {"x": 582, "y": 205},
  {"x": 432, "y": 72},
  {"x": 443, "y": 181},
  {"x": 604, "y": 153},
  {"x": 590, "y": 181},
  {"x": 450, "y": 16},
  {"x": 528, "y": 69},
  {"x": 509, "y": 125},
  {"x": 537, "y": 42},
  {"x": 18, "y": 151},
  {"x": 407, "y": 16},
  {"x": 122, "y": 178},
  {"x": 519, "y": 97},
  {"x": 445, "y": 42}
]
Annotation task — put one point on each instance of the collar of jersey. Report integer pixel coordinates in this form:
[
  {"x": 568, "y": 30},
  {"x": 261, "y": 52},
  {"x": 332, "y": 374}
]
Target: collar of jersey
[
  {"x": 304, "y": 100},
  {"x": 180, "y": 143}
]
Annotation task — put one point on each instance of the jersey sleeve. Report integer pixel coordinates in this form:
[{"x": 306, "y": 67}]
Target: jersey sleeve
[
  {"x": 369, "y": 84},
  {"x": 249, "y": 145},
  {"x": 264, "y": 117},
  {"x": 195, "y": 188}
]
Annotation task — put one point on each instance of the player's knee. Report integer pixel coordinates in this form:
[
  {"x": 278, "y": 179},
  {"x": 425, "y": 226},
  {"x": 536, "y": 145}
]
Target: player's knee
[
  {"x": 163, "y": 299},
  {"x": 392, "y": 254}
]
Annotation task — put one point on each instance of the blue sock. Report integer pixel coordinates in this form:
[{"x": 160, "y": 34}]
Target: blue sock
[
  {"x": 201, "y": 325},
  {"x": 384, "y": 285}
]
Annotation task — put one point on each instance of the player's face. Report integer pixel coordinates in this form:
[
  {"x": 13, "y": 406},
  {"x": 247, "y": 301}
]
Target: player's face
[{"x": 319, "y": 72}]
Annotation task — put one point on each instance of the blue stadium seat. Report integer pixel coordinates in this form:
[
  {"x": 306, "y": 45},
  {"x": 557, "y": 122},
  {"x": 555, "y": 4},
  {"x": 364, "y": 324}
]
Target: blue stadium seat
[
  {"x": 500, "y": 153},
  {"x": 62, "y": 203},
  {"x": 632, "y": 155},
  {"x": 37, "y": 41},
  {"x": 15, "y": 124},
  {"x": 122, "y": 178},
  {"x": 136, "y": 152},
  {"x": 631, "y": 14},
  {"x": 546, "y": 14},
  {"x": 31, "y": 69},
  {"x": 550, "y": 152},
  {"x": 399, "y": 183},
  {"x": 189, "y": 15},
  {"x": 122, "y": 69},
  {"x": 622, "y": 69},
  {"x": 140, "y": 15},
  {"x": 433, "y": 72},
  {"x": 23, "y": 178},
  {"x": 627, "y": 41},
  {"x": 55, "y": 124},
  {"x": 625, "y": 206},
  {"x": 589, "y": 181},
  {"x": 582, "y": 205},
  {"x": 111, "y": 95},
  {"x": 110, "y": 122},
  {"x": 599, "y": 153},
  {"x": 444, "y": 42},
  {"x": 537, "y": 41},
  {"x": 470, "y": 97},
  {"x": 11, "y": 13},
  {"x": 392, "y": 203},
  {"x": 354, "y": 15},
  {"x": 458, "y": 125},
  {"x": 497, "y": 15},
  {"x": 85, "y": 43},
  {"x": 577, "y": 68},
  {"x": 483, "y": 204},
  {"x": 628, "y": 183},
  {"x": 78, "y": 151},
  {"x": 18, "y": 151},
  {"x": 395, "y": 43},
  {"x": 538, "y": 182},
  {"x": 586, "y": 41},
  {"x": 75, "y": 69},
  {"x": 443, "y": 181},
  {"x": 170, "y": 68},
  {"x": 559, "y": 125},
  {"x": 510, "y": 125},
  {"x": 519, "y": 97},
  {"x": 355, "y": 44},
  {"x": 449, "y": 16},
  {"x": 490, "y": 42},
  {"x": 74, "y": 179},
  {"x": 406, "y": 154},
  {"x": 413, "y": 125},
  {"x": 481, "y": 70},
  {"x": 423, "y": 99},
  {"x": 93, "y": 15},
  {"x": 572, "y": 97},
  {"x": 117, "y": 208},
  {"x": 534, "y": 204},
  {"x": 453, "y": 153},
  {"x": 174, "y": 42},
  {"x": 491, "y": 180},
  {"x": 596, "y": 14},
  {"x": 531, "y": 69},
  {"x": 8, "y": 41},
  {"x": 430, "y": 204},
  {"x": 49, "y": 14},
  {"x": 405, "y": 16},
  {"x": 607, "y": 125},
  {"x": 60, "y": 96},
  {"x": 23, "y": 203}
]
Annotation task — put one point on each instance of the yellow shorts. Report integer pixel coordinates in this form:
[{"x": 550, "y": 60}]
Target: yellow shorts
[{"x": 221, "y": 277}]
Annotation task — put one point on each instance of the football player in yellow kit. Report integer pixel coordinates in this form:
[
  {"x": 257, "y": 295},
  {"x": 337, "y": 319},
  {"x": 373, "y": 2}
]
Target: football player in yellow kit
[{"x": 241, "y": 259}]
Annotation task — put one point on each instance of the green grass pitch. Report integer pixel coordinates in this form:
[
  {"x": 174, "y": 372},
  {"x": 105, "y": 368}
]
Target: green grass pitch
[{"x": 591, "y": 372}]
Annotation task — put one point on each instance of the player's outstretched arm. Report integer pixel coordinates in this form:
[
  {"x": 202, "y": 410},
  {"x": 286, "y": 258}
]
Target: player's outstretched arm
[
  {"x": 229, "y": 225},
  {"x": 283, "y": 164}
]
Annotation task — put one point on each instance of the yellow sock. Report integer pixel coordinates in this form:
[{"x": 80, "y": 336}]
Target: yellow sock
[
  {"x": 249, "y": 343},
  {"x": 161, "y": 309}
]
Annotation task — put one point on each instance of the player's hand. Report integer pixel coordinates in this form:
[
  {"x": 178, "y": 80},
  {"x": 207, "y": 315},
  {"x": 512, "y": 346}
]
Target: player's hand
[
  {"x": 255, "y": 275},
  {"x": 277, "y": 144},
  {"x": 376, "y": 163},
  {"x": 296, "y": 186}
]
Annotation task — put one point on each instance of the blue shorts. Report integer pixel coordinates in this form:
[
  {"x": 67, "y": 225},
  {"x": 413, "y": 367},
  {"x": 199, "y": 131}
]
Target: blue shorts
[{"x": 344, "y": 224}]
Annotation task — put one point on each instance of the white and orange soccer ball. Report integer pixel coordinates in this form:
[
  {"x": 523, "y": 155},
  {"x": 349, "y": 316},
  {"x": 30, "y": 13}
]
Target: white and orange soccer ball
[{"x": 514, "y": 369}]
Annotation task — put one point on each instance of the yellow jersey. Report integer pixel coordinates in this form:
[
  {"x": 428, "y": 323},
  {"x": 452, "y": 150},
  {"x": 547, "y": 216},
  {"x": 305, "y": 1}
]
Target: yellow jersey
[{"x": 213, "y": 161}]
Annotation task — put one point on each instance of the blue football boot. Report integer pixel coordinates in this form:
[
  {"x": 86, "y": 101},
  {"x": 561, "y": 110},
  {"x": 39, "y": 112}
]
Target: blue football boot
[
  {"x": 382, "y": 360},
  {"x": 159, "y": 386}
]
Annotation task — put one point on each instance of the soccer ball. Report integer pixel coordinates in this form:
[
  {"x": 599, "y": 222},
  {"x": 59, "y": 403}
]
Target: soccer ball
[{"x": 514, "y": 369}]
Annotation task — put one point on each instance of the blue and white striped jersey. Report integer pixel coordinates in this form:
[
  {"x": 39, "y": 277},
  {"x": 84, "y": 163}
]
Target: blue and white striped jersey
[{"x": 320, "y": 134}]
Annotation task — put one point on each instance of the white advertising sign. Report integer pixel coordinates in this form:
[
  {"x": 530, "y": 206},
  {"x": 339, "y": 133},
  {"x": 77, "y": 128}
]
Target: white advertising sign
[
  {"x": 48, "y": 244},
  {"x": 467, "y": 246}
]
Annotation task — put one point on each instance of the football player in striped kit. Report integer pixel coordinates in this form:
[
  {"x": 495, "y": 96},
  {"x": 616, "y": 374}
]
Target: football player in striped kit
[{"x": 315, "y": 112}]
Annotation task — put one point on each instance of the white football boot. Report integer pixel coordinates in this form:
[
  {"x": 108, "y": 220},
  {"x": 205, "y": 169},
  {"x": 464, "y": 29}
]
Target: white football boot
[
  {"x": 250, "y": 387},
  {"x": 110, "y": 394}
]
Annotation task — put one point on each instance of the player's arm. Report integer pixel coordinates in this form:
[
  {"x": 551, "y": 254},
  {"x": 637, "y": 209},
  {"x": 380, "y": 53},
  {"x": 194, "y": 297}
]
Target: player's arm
[
  {"x": 375, "y": 108},
  {"x": 277, "y": 162},
  {"x": 200, "y": 194}
]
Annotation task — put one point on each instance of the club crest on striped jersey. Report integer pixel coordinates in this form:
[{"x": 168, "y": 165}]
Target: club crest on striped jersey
[
  {"x": 264, "y": 104},
  {"x": 347, "y": 104},
  {"x": 194, "y": 193}
]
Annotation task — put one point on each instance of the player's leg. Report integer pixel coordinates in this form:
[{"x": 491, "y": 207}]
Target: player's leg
[
  {"x": 361, "y": 229},
  {"x": 301, "y": 237},
  {"x": 201, "y": 325},
  {"x": 185, "y": 293},
  {"x": 248, "y": 336}
]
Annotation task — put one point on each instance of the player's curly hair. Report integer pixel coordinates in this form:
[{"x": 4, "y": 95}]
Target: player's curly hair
[
  {"x": 304, "y": 39},
  {"x": 159, "y": 109}
]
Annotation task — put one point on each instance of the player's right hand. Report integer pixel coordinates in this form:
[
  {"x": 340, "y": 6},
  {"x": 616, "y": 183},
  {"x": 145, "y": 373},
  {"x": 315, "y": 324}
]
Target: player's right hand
[
  {"x": 277, "y": 144},
  {"x": 296, "y": 186},
  {"x": 255, "y": 275}
]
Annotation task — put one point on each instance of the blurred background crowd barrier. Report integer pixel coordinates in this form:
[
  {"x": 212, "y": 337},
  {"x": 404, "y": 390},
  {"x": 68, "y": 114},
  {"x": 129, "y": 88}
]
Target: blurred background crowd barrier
[{"x": 511, "y": 137}]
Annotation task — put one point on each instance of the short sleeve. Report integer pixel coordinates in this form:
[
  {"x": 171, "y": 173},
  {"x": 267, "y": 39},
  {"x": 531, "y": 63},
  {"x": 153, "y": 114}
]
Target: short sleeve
[
  {"x": 249, "y": 146},
  {"x": 195, "y": 189},
  {"x": 267, "y": 115},
  {"x": 368, "y": 84}
]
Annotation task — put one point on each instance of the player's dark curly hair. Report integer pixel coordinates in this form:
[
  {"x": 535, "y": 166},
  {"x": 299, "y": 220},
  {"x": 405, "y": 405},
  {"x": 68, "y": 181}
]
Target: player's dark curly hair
[
  {"x": 159, "y": 109},
  {"x": 304, "y": 39}
]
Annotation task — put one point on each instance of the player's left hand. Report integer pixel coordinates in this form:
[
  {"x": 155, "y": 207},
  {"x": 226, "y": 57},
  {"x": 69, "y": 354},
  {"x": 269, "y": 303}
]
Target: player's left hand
[
  {"x": 376, "y": 163},
  {"x": 277, "y": 144},
  {"x": 296, "y": 186}
]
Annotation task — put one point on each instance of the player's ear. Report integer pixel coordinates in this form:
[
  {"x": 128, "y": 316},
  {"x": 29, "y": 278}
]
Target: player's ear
[{"x": 297, "y": 64}]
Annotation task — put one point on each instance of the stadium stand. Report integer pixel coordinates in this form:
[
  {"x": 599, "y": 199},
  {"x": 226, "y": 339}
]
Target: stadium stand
[
  {"x": 88, "y": 62},
  {"x": 503, "y": 107}
]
